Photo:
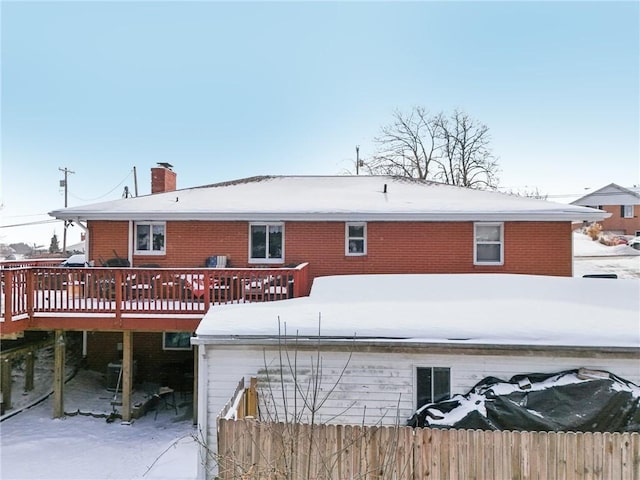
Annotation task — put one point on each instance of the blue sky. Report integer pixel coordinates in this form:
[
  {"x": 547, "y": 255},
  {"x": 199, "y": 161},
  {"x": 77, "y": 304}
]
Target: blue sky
[{"x": 228, "y": 90}]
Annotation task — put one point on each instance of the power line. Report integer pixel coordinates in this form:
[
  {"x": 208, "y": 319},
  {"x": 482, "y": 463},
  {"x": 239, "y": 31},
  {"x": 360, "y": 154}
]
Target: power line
[
  {"x": 41, "y": 222},
  {"x": 106, "y": 194}
]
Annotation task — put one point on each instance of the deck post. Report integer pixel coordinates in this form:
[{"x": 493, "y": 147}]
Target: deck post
[
  {"x": 127, "y": 374},
  {"x": 5, "y": 383},
  {"x": 58, "y": 374},
  {"x": 28, "y": 373}
]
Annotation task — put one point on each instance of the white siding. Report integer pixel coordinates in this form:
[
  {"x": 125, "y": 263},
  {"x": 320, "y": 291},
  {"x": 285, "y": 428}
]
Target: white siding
[{"x": 376, "y": 387}]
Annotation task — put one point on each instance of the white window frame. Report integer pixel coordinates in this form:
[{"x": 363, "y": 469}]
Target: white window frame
[
  {"x": 348, "y": 239},
  {"x": 151, "y": 250},
  {"x": 415, "y": 381},
  {"x": 627, "y": 211},
  {"x": 266, "y": 260},
  {"x": 491, "y": 242},
  {"x": 181, "y": 334}
]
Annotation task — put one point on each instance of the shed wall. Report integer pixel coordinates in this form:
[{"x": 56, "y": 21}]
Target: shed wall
[{"x": 376, "y": 386}]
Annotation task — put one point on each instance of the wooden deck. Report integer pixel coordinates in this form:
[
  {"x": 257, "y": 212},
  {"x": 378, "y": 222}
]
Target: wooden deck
[{"x": 37, "y": 297}]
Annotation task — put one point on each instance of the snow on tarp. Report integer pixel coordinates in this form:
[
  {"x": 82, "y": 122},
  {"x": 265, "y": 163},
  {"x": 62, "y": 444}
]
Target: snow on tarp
[{"x": 572, "y": 400}]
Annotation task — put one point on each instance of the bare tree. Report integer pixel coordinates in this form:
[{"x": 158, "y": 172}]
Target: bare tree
[
  {"x": 408, "y": 146},
  {"x": 466, "y": 157},
  {"x": 451, "y": 149}
]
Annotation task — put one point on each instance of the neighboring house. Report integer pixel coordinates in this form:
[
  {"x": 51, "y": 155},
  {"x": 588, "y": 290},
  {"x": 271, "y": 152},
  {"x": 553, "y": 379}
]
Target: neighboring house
[
  {"x": 391, "y": 343},
  {"x": 622, "y": 203}
]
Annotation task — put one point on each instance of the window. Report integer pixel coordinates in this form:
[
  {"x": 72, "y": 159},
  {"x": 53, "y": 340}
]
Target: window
[
  {"x": 176, "y": 340},
  {"x": 489, "y": 244},
  {"x": 266, "y": 243},
  {"x": 149, "y": 238},
  {"x": 626, "y": 211},
  {"x": 433, "y": 384},
  {"x": 356, "y": 239}
]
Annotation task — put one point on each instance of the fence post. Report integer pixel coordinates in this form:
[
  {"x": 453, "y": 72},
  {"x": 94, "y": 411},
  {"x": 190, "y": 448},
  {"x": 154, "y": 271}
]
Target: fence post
[{"x": 251, "y": 398}]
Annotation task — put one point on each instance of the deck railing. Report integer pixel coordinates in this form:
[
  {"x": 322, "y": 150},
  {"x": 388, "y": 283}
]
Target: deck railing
[{"x": 32, "y": 292}]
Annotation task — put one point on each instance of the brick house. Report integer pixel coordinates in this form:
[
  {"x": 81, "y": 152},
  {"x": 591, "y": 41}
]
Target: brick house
[
  {"x": 622, "y": 203},
  {"x": 261, "y": 231},
  {"x": 340, "y": 225}
]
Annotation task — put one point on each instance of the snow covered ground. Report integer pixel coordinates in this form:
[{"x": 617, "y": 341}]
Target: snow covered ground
[
  {"x": 85, "y": 447},
  {"x": 595, "y": 258}
]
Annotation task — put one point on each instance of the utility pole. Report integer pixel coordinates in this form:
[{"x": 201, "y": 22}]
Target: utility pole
[
  {"x": 357, "y": 159},
  {"x": 64, "y": 183}
]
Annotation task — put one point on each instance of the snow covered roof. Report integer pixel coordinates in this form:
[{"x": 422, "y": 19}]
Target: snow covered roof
[
  {"x": 330, "y": 198},
  {"x": 464, "y": 309},
  {"x": 611, "y": 194}
]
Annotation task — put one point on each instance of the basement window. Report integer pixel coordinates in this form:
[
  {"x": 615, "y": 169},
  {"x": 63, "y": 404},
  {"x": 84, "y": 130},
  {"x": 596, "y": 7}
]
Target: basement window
[
  {"x": 176, "y": 340},
  {"x": 433, "y": 384},
  {"x": 489, "y": 244},
  {"x": 150, "y": 238}
]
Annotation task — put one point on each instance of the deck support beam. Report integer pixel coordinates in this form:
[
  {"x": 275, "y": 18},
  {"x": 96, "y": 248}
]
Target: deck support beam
[
  {"x": 29, "y": 370},
  {"x": 5, "y": 383},
  {"x": 59, "y": 373},
  {"x": 127, "y": 374}
]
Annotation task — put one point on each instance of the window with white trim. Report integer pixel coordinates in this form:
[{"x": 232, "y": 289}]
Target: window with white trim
[
  {"x": 433, "y": 384},
  {"x": 488, "y": 244},
  {"x": 355, "y": 239},
  {"x": 627, "y": 211},
  {"x": 150, "y": 238},
  {"x": 266, "y": 243}
]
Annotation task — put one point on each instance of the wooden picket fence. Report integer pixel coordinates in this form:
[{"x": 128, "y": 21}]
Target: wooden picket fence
[{"x": 249, "y": 449}]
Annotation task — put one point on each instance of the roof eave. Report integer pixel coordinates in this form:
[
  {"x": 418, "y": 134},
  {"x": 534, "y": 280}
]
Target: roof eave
[
  {"x": 407, "y": 343},
  {"x": 499, "y": 216}
]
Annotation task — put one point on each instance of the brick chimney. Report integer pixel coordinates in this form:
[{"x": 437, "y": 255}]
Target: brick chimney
[{"x": 163, "y": 179}]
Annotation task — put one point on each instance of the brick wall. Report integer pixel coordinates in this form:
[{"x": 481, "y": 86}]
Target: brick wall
[
  {"x": 153, "y": 364},
  {"x": 616, "y": 223},
  {"x": 540, "y": 248},
  {"x": 107, "y": 240}
]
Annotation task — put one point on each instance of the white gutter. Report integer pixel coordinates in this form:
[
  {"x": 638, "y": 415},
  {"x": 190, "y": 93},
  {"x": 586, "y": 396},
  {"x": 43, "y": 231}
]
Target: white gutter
[{"x": 457, "y": 216}]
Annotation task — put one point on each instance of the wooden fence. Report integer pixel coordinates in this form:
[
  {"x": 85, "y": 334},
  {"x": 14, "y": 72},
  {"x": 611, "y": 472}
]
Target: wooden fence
[{"x": 256, "y": 450}]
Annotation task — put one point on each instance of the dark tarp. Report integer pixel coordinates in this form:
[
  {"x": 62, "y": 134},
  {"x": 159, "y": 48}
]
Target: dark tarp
[{"x": 573, "y": 400}]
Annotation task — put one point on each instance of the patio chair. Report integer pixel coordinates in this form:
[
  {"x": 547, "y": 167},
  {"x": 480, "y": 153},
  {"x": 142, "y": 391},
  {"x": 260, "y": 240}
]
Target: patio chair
[
  {"x": 194, "y": 284},
  {"x": 143, "y": 285}
]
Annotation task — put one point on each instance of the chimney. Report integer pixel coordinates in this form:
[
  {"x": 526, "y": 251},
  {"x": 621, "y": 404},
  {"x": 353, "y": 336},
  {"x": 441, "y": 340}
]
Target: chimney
[{"x": 163, "y": 179}]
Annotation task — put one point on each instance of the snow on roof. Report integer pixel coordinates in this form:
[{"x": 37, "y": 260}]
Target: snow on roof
[
  {"x": 337, "y": 198},
  {"x": 492, "y": 309},
  {"x": 611, "y": 194}
]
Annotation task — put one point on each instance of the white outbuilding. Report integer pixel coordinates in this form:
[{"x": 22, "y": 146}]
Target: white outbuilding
[{"x": 370, "y": 349}]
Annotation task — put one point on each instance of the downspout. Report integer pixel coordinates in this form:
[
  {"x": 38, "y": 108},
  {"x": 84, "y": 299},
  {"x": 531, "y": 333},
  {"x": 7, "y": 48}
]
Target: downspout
[
  {"x": 206, "y": 447},
  {"x": 85, "y": 229},
  {"x": 130, "y": 244}
]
